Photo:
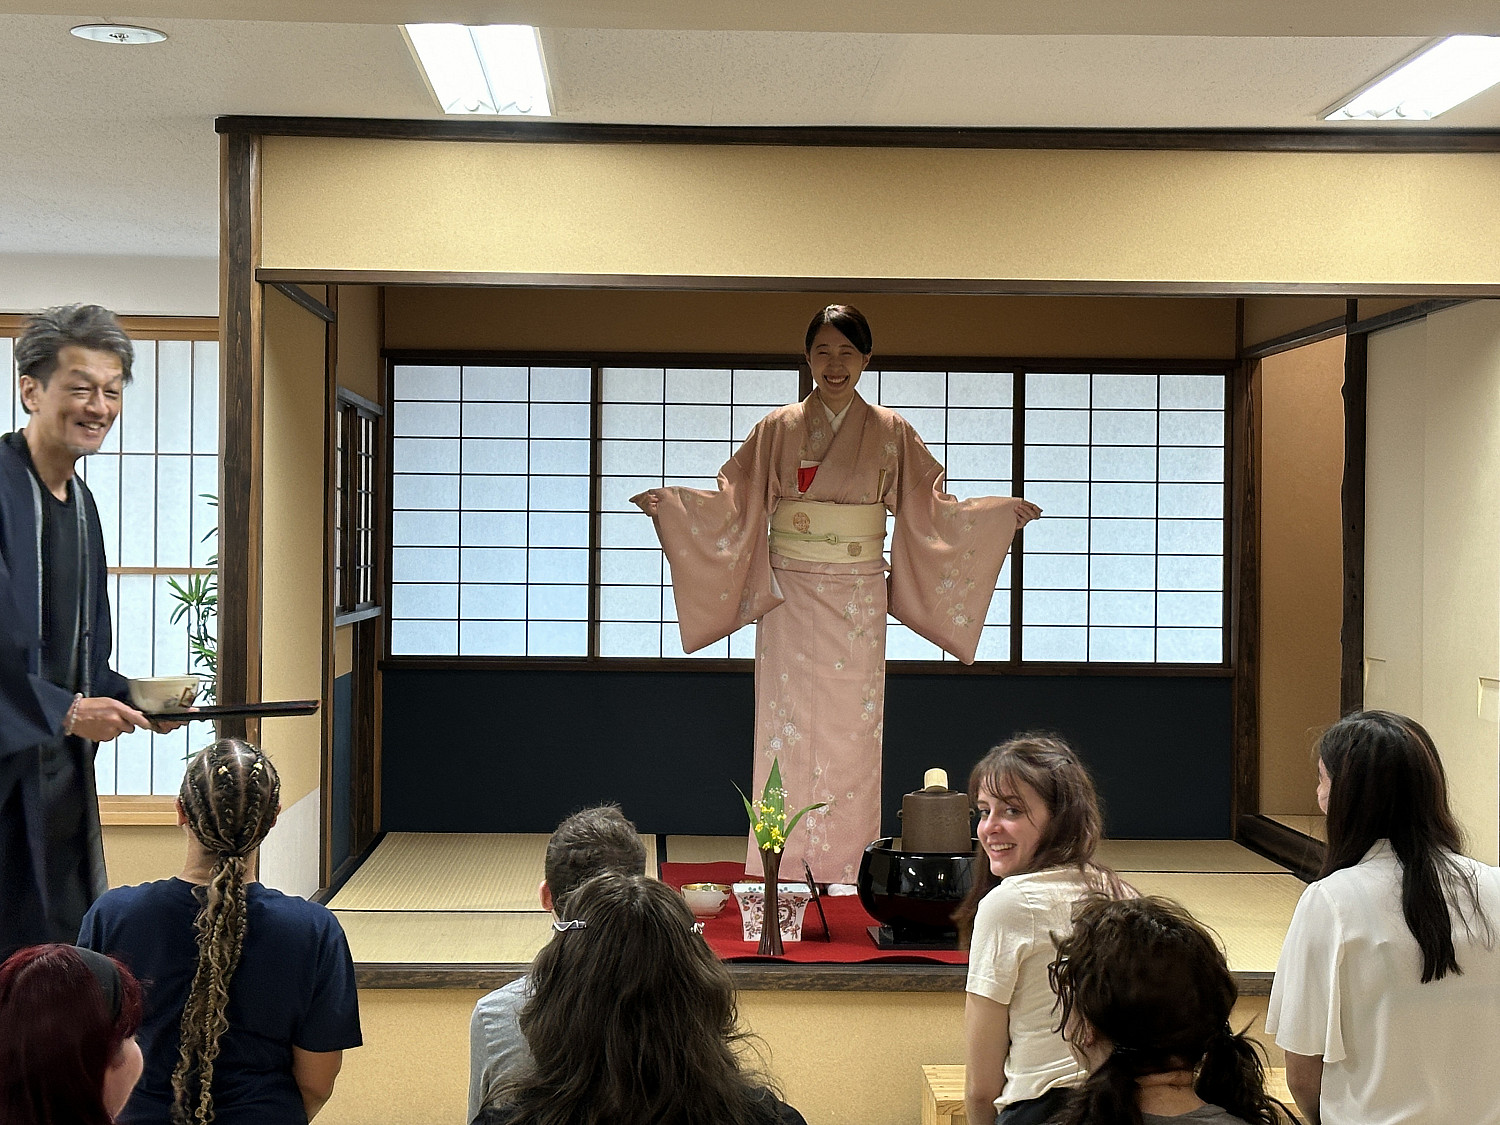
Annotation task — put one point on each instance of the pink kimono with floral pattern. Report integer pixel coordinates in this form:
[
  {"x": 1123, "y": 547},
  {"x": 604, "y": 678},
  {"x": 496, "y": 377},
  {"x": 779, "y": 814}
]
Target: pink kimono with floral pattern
[{"x": 820, "y": 644}]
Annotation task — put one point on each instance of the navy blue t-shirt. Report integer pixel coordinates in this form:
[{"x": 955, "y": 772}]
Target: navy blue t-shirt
[{"x": 294, "y": 987}]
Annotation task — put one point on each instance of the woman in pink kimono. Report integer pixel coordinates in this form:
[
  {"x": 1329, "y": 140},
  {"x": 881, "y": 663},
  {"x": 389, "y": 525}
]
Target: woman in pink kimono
[{"x": 793, "y": 539}]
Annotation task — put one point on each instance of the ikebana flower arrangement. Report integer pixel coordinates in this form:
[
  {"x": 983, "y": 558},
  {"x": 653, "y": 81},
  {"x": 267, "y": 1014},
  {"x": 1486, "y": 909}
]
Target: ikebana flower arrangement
[{"x": 771, "y": 828}]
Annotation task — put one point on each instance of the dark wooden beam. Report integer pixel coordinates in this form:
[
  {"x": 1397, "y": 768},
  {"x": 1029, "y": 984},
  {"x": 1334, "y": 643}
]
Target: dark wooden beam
[
  {"x": 1410, "y": 139},
  {"x": 300, "y": 296},
  {"x": 1244, "y": 587},
  {"x": 1352, "y": 632},
  {"x": 1405, "y": 315},
  {"x": 1313, "y": 333},
  {"x": 940, "y": 286},
  {"x": 240, "y": 429}
]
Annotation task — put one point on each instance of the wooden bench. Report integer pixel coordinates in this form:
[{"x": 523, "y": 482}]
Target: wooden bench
[{"x": 943, "y": 1093}]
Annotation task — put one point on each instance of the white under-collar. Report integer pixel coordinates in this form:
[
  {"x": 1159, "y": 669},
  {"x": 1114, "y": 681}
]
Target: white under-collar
[{"x": 836, "y": 420}]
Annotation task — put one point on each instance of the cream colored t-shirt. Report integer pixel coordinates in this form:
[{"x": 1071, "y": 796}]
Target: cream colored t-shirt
[
  {"x": 1009, "y": 954},
  {"x": 1349, "y": 987}
]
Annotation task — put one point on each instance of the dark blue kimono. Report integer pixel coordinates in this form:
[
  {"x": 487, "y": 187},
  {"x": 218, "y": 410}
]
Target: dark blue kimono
[{"x": 51, "y": 848}]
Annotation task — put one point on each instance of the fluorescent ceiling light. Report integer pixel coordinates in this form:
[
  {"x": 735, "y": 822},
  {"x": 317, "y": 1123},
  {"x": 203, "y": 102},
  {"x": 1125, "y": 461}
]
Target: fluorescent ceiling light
[
  {"x": 120, "y": 33},
  {"x": 1436, "y": 79},
  {"x": 491, "y": 69}
]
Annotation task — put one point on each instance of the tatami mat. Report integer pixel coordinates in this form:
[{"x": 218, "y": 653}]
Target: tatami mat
[
  {"x": 705, "y": 849},
  {"x": 1250, "y": 913},
  {"x": 444, "y": 936},
  {"x": 453, "y": 871},
  {"x": 1223, "y": 856}
]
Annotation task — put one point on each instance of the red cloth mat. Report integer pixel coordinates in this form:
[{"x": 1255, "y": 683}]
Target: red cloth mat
[{"x": 847, "y": 922}]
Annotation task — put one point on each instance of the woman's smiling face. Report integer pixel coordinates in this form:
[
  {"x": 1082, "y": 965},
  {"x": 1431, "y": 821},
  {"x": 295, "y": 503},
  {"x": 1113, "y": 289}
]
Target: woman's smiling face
[
  {"x": 1011, "y": 825},
  {"x": 836, "y": 366}
]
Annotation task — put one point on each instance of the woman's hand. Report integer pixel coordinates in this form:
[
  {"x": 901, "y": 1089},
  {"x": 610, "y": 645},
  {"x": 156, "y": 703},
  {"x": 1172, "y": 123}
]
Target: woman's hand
[
  {"x": 1026, "y": 511},
  {"x": 648, "y": 501}
]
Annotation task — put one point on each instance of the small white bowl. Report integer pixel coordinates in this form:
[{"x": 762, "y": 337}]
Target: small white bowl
[
  {"x": 154, "y": 694},
  {"x": 705, "y": 900}
]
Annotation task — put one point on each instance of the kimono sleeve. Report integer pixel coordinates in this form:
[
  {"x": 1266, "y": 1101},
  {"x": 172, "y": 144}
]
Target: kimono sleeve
[
  {"x": 946, "y": 554},
  {"x": 1306, "y": 1006},
  {"x": 31, "y": 709},
  {"x": 717, "y": 546}
]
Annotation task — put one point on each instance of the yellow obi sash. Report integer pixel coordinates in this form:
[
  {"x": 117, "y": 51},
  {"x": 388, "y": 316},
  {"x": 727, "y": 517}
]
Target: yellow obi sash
[{"x": 816, "y": 531}]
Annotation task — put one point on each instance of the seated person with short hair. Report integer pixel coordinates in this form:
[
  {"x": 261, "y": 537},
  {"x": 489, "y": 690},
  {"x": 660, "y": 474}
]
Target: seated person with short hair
[{"x": 588, "y": 843}]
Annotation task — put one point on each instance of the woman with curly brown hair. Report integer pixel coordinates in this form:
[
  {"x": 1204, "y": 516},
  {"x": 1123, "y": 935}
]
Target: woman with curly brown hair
[
  {"x": 632, "y": 1021},
  {"x": 1145, "y": 996},
  {"x": 251, "y": 1001}
]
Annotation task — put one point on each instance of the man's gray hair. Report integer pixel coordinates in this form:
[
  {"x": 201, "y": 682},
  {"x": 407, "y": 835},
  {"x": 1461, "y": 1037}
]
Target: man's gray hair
[{"x": 85, "y": 326}]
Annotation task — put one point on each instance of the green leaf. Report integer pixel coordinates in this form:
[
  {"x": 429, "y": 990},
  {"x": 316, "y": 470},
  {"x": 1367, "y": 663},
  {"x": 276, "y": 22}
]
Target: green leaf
[
  {"x": 800, "y": 812},
  {"x": 763, "y": 832}
]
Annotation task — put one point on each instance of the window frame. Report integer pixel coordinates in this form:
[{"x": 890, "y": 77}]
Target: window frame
[
  {"x": 1018, "y": 367},
  {"x": 350, "y": 410}
]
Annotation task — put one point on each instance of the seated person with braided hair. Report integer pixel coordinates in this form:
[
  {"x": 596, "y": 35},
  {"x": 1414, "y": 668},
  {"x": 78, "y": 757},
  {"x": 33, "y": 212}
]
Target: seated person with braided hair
[
  {"x": 588, "y": 843},
  {"x": 250, "y": 997},
  {"x": 1145, "y": 994}
]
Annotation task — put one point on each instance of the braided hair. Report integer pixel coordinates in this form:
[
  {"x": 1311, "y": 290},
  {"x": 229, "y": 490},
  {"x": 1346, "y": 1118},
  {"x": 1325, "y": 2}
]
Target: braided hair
[
  {"x": 1151, "y": 980},
  {"x": 230, "y": 796}
]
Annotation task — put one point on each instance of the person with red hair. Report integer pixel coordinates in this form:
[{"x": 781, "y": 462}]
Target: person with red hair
[{"x": 68, "y": 1019}]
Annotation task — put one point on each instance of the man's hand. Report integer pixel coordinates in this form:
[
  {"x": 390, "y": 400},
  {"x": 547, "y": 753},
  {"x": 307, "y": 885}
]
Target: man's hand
[{"x": 101, "y": 719}]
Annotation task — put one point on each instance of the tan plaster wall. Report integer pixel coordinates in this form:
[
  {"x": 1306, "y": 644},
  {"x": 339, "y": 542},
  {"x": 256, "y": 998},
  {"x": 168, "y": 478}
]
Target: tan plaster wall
[
  {"x": 1301, "y": 566},
  {"x": 141, "y": 853},
  {"x": 292, "y": 544},
  {"x": 359, "y": 367},
  {"x": 793, "y": 213}
]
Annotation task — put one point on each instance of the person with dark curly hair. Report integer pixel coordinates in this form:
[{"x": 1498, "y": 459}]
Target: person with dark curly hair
[
  {"x": 68, "y": 1054},
  {"x": 632, "y": 1021},
  {"x": 1145, "y": 996},
  {"x": 252, "y": 999}
]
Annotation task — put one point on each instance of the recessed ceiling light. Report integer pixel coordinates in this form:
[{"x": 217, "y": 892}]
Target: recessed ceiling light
[
  {"x": 118, "y": 33},
  {"x": 1434, "y": 80},
  {"x": 490, "y": 69}
]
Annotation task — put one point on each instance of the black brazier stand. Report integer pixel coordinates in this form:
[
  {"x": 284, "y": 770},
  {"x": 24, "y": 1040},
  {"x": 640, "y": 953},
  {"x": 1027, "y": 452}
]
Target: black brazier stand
[{"x": 914, "y": 894}]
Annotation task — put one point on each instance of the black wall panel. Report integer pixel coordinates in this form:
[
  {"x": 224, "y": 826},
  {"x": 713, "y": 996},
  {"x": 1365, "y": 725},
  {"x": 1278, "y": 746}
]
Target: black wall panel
[{"x": 516, "y": 751}]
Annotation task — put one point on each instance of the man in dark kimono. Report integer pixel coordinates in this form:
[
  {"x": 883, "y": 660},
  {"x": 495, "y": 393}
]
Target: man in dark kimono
[{"x": 58, "y": 696}]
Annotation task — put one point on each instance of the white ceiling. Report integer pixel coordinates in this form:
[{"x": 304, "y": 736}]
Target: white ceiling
[{"x": 111, "y": 150}]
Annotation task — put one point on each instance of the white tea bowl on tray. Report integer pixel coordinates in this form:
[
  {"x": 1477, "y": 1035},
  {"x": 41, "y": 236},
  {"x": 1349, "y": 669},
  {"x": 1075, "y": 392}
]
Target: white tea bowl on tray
[{"x": 155, "y": 694}]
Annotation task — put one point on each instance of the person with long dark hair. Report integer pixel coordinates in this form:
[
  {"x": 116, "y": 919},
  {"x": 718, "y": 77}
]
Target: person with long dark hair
[
  {"x": 252, "y": 999},
  {"x": 794, "y": 539},
  {"x": 68, "y": 1054},
  {"x": 1039, "y": 823},
  {"x": 632, "y": 1021},
  {"x": 1144, "y": 995},
  {"x": 1387, "y": 994}
]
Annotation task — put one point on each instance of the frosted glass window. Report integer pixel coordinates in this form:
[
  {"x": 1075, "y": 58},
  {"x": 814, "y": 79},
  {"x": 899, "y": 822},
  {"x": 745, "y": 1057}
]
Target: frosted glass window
[
  {"x": 1130, "y": 471},
  {"x": 490, "y": 494}
]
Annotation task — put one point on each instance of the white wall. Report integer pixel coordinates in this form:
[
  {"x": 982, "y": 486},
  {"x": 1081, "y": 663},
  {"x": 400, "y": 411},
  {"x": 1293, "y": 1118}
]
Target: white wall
[
  {"x": 128, "y": 285},
  {"x": 1432, "y": 547},
  {"x": 289, "y": 855}
]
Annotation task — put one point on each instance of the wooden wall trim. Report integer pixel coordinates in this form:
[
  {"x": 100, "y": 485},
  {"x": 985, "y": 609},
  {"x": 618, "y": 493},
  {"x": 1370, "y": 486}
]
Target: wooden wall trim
[
  {"x": 1352, "y": 633},
  {"x": 1312, "y": 334},
  {"x": 1244, "y": 587},
  {"x": 1412, "y": 139},
  {"x": 241, "y": 421},
  {"x": 300, "y": 296},
  {"x": 151, "y": 327},
  {"x": 953, "y": 286},
  {"x": 1401, "y": 316}
]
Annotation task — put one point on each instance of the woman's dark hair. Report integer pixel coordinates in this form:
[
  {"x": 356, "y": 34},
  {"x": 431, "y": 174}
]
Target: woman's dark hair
[
  {"x": 1387, "y": 783},
  {"x": 848, "y": 320},
  {"x": 230, "y": 795},
  {"x": 631, "y": 1019},
  {"x": 1144, "y": 975},
  {"x": 64, "y": 1014},
  {"x": 1074, "y": 826}
]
